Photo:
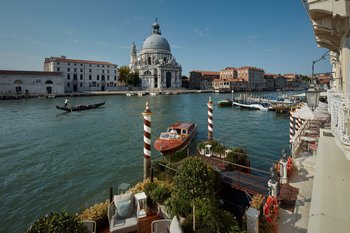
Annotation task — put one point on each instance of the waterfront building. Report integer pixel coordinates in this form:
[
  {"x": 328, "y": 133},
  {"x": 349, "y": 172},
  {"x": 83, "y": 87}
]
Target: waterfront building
[
  {"x": 84, "y": 75},
  {"x": 269, "y": 82},
  {"x": 157, "y": 67},
  {"x": 330, "y": 202},
  {"x": 17, "y": 83},
  {"x": 254, "y": 76},
  {"x": 202, "y": 80}
]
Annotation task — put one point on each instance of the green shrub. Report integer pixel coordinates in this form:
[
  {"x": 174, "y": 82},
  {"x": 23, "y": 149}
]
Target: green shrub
[
  {"x": 194, "y": 179},
  {"x": 97, "y": 213},
  {"x": 58, "y": 223},
  {"x": 238, "y": 156}
]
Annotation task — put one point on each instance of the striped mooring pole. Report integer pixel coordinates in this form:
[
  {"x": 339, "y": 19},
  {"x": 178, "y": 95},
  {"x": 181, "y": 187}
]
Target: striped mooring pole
[
  {"x": 291, "y": 127},
  {"x": 210, "y": 120},
  {"x": 147, "y": 115}
]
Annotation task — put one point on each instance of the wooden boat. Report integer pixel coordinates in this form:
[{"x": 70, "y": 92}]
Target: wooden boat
[
  {"x": 225, "y": 103},
  {"x": 80, "y": 107},
  {"x": 177, "y": 137}
]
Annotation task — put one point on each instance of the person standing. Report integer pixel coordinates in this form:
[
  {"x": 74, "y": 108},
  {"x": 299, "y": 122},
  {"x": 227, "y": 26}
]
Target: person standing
[{"x": 66, "y": 102}]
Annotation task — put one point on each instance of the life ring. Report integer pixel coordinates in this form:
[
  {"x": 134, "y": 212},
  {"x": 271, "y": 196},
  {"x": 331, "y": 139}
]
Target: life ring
[{"x": 271, "y": 209}]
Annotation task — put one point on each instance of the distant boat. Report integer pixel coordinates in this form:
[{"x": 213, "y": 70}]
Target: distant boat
[
  {"x": 80, "y": 107},
  {"x": 225, "y": 103},
  {"x": 177, "y": 137},
  {"x": 253, "y": 106},
  {"x": 130, "y": 93}
]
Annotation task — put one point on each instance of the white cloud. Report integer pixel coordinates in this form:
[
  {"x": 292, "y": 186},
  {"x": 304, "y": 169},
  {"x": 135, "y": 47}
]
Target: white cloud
[{"x": 203, "y": 32}]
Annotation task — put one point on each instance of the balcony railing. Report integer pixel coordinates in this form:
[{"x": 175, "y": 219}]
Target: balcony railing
[{"x": 339, "y": 108}]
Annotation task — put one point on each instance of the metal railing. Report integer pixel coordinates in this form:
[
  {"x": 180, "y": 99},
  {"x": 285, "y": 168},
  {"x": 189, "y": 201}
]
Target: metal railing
[{"x": 339, "y": 108}]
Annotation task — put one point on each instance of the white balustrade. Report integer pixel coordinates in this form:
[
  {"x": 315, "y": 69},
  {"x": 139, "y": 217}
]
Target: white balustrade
[{"x": 339, "y": 108}]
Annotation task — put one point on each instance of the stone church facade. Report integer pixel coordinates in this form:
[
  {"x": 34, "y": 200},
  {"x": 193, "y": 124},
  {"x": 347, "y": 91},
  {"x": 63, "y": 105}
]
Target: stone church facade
[{"x": 156, "y": 65}]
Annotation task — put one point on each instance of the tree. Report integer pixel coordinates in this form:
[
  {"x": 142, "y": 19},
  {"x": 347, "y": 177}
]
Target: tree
[{"x": 126, "y": 76}]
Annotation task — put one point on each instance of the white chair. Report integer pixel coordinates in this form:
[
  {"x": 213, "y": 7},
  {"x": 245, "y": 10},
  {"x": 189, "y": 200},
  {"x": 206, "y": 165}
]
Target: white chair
[
  {"x": 160, "y": 226},
  {"x": 90, "y": 225}
]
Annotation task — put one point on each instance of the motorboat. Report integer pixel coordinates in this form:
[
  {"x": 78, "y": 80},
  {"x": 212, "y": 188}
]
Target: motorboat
[
  {"x": 225, "y": 103},
  {"x": 177, "y": 137}
]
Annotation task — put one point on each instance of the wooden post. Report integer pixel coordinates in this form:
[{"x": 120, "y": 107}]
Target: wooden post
[
  {"x": 110, "y": 194},
  {"x": 210, "y": 120},
  {"x": 147, "y": 116}
]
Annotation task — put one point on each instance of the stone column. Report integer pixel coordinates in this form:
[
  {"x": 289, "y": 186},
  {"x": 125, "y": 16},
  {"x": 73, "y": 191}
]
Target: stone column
[
  {"x": 345, "y": 65},
  {"x": 252, "y": 216},
  {"x": 147, "y": 114},
  {"x": 273, "y": 187},
  {"x": 283, "y": 171}
]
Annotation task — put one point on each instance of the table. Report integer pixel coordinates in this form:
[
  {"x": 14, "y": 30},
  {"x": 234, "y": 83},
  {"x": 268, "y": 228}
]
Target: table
[{"x": 308, "y": 140}]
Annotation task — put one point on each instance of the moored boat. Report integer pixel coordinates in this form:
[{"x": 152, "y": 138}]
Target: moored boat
[
  {"x": 80, "y": 107},
  {"x": 225, "y": 103},
  {"x": 177, "y": 137}
]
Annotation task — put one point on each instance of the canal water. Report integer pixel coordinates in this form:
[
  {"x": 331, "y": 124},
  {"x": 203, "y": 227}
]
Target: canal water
[{"x": 52, "y": 160}]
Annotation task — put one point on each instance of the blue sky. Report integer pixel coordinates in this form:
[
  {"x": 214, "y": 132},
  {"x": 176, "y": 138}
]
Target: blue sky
[{"x": 275, "y": 35}]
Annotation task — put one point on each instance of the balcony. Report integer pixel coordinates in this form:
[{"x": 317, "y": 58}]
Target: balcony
[
  {"x": 329, "y": 18},
  {"x": 339, "y": 108}
]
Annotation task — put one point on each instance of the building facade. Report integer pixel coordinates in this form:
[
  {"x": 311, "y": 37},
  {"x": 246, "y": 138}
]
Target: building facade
[
  {"x": 202, "y": 80},
  {"x": 254, "y": 76},
  {"x": 30, "y": 83},
  {"x": 155, "y": 63},
  {"x": 84, "y": 75}
]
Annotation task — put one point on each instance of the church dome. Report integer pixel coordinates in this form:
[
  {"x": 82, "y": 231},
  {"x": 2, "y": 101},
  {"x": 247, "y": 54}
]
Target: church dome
[{"x": 156, "y": 41}]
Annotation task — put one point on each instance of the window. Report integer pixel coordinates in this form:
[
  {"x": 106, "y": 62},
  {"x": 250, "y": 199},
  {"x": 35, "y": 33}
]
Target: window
[
  {"x": 89, "y": 84},
  {"x": 90, "y": 70},
  {"x": 58, "y": 63},
  {"x": 75, "y": 64},
  {"x": 81, "y": 64},
  {"x": 108, "y": 71},
  {"x": 68, "y": 63},
  {"x": 75, "y": 69},
  {"x": 115, "y": 78},
  {"x": 68, "y": 76},
  {"x": 103, "y": 78},
  {"x": 90, "y": 65},
  {"x": 98, "y": 85},
  {"x": 68, "y": 84},
  {"x": 90, "y": 77},
  {"x": 75, "y": 76},
  {"x": 94, "y": 84},
  {"x": 107, "y": 77},
  {"x": 115, "y": 71},
  {"x": 58, "y": 68},
  {"x": 103, "y": 71},
  {"x": 98, "y": 65},
  {"x": 108, "y": 66},
  {"x": 68, "y": 69},
  {"x": 103, "y": 66},
  {"x": 81, "y": 77},
  {"x": 81, "y": 70},
  {"x": 81, "y": 84},
  {"x": 98, "y": 77}
]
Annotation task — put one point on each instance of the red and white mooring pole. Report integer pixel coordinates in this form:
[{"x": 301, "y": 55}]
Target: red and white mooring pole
[
  {"x": 210, "y": 120},
  {"x": 147, "y": 119}
]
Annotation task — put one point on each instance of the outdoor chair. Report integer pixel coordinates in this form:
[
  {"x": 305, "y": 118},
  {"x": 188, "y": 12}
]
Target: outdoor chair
[
  {"x": 122, "y": 214},
  {"x": 90, "y": 225},
  {"x": 166, "y": 225}
]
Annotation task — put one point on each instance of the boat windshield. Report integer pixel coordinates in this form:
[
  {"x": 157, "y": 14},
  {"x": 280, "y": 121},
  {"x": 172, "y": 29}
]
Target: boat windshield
[
  {"x": 164, "y": 136},
  {"x": 169, "y": 136}
]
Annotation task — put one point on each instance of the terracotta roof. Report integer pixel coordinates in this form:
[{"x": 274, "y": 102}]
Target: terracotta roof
[
  {"x": 26, "y": 72},
  {"x": 63, "y": 59},
  {"x": 206, "y": 72}
]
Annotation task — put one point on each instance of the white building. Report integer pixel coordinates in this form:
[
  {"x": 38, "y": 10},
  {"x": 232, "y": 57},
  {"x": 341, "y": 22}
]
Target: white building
[
  {"x": 84, "y": 75},
  {"x": 156, "y": 65},
  {"x": 330, "y": 202},
  {"x": 16, "y": 83}
]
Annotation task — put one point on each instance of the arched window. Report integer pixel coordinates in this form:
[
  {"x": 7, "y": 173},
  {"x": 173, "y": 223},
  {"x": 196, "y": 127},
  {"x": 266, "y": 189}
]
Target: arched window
[
  {"x": 75, "y": 76},
  {"x": 148, "y": 73},
  {"x": 103, "y": 78},
  {"x": 48, "y": 82},
  {"x": 18, "y": 81}
]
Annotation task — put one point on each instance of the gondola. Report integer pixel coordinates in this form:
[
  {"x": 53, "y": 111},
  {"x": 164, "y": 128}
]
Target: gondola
[{"x": 80, "y": 107}]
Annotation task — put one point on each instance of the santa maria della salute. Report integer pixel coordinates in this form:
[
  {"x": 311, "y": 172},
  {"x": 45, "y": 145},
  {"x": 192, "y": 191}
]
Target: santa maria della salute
[{"x": 156, "y": 65}]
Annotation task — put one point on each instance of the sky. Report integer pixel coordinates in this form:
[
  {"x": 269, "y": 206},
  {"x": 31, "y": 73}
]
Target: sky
[{"x": 275, "y": 35}]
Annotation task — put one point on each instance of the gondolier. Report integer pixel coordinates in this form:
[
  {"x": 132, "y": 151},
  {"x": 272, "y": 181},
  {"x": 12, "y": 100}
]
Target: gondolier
[{"x": 66, "y": 102}]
